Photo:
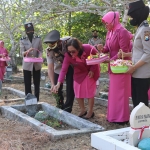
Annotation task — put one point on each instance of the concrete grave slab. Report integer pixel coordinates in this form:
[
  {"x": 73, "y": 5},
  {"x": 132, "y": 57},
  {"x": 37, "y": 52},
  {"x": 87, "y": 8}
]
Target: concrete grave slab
[
  {"x": 14, "y": 91},
  {"x": 81, "y": 126},
  {"x": 112, "y": 140}
]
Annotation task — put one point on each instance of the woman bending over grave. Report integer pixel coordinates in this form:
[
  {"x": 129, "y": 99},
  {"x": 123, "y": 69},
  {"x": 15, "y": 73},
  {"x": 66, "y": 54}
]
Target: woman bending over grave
[
  {"x": 3, "y": 64},
  {"x": 85, "y": 76}
]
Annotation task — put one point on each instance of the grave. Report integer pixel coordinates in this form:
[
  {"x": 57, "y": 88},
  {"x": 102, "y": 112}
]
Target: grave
[
  {"x": 15, "y": 112},
  {"x": 125, "y": 138},
  {"x": 80, "y": 126},
  {"x": 8, "y": 98}
]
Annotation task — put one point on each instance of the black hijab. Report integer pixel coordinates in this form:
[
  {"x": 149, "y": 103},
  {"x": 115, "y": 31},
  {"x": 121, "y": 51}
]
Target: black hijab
[{"x": 139, "y": 12}]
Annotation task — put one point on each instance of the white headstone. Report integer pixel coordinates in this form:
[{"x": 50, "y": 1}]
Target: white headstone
[{"x": 139, "y": 118}]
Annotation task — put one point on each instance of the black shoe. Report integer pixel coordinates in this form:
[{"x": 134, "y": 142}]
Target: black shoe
[
  {"x": 122, "y": 123},
  {"x": 59, "y": 106},
  {"x": 67, "y": 109},
  {"x": 89, "y": 117},
  {"x": 83, "y": 114}
]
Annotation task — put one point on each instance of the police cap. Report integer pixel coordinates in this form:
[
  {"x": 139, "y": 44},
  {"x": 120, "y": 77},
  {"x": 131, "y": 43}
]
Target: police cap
[
  {"x": 52, "y": 37},
  {"x": 135, "y": 6},
  {"x": 29, "y": 27}
]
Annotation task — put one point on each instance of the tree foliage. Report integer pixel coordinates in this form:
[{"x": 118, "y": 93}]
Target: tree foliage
[{"x": 71, "y": 17}]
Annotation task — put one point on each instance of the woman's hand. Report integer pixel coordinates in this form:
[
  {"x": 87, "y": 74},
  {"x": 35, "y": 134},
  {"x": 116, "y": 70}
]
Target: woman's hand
[
  {"x": 121, "y": 54},
  {"x": 30, "y": 49},
  {"x": 91, "y": 74},
  {"x": 56, "y": 87},
  {"x": 131, "y": 69},
  {"x": 100, "y": 47},
  {"x": 52, "y": 87}
]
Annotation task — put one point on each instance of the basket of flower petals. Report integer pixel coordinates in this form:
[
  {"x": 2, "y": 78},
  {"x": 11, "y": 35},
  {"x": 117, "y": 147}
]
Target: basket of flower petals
[
  {"x": 96, "y": 59},
  {"x": 5, "y": 58},
  {"x": 33, "y": 59},
  {"x": 120, "y": 65}
]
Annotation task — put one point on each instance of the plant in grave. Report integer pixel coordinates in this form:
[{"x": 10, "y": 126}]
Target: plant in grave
[
  {"x": 46, "y": 119},
  {"x": 52, "y": 122}
]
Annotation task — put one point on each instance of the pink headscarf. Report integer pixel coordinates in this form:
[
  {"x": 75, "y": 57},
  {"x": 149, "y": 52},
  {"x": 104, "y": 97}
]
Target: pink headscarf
[
  {"x": 1, "y": 44},
  {"x": 111, "y": 17}
]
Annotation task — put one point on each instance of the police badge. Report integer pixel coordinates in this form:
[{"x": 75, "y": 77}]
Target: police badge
[{"x": 146, "y": 35}]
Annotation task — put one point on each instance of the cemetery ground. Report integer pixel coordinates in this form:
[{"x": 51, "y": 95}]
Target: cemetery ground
[{"x": 17, "y": 136}]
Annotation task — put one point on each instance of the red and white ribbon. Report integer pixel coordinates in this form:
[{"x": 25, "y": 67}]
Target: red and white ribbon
[{"x": 141, "y": 130}]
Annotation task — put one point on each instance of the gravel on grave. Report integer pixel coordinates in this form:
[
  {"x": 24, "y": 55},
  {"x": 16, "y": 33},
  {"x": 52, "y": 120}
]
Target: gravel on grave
[{"x": 17, "y": 136}]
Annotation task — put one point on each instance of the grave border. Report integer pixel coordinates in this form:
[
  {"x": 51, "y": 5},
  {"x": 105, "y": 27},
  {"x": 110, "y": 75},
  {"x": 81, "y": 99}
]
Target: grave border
[
  {"x": 103, "y": 140},
  {"x": 84, "y": 126}
]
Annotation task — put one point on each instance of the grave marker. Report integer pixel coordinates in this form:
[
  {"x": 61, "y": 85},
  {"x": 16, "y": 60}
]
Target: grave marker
[{"x": 139, "y": 122}]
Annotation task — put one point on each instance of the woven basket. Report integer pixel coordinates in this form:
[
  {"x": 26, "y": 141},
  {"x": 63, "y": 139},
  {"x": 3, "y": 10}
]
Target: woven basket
[
  {"x": 32, "y": 59},
  {"x": 119, "y": 69},
  {"x": 94, "y": 61}
]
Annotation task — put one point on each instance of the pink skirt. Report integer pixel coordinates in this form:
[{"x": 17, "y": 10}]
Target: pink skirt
[
  {"x": 2, "y": 72},
  {"x": 118, "y": 98},
  {"x": 86, "y": 89}
]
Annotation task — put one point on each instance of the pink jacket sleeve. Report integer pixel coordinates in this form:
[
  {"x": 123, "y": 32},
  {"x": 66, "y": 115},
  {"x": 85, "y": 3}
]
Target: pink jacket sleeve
[{"x": 64, "y": 68}]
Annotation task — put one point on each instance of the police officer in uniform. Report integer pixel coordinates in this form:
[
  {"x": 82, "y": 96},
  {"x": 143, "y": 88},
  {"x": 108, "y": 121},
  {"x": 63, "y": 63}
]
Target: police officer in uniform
[
  {"x": 28, "y": 47},
  {"x": 140, "y": 53},
  {"x": 55, "y": 55}
]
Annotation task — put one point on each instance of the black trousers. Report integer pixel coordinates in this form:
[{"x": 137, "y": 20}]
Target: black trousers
[
  {"x": 140, "y": 89},
  {"x": 67, "y": 106},
  {"x": 36, "y": 82}
]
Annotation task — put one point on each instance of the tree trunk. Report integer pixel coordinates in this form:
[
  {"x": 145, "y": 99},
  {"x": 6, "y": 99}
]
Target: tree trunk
[{"x": 12, "y": 55}]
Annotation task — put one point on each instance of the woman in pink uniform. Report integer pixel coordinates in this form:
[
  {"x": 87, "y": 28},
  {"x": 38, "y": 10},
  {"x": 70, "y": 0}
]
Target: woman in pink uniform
[
  {"x": 85, "y": 76},
  {"x": 120, "y": 84},
  {"x": 3, "y": 64}
]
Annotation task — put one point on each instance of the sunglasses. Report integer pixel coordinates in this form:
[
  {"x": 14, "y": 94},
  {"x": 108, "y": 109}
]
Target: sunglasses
[{"x": 71, "y": 52}]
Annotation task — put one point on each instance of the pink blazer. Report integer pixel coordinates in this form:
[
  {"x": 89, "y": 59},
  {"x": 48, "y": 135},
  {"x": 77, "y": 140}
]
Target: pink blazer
[
  {"x": 81, "y": 69},
  {"x": 120, "y": 39}
]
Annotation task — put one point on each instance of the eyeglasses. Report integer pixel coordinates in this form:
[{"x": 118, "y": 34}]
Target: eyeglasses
[{"x": 71, "y": 52}]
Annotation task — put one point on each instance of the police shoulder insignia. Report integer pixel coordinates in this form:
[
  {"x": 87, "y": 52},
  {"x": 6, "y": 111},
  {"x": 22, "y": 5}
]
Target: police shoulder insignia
[
  {"x": 147, "y": 35},
  {"x": 22, "y": 38},
  {"x": 36, "y": 36}
]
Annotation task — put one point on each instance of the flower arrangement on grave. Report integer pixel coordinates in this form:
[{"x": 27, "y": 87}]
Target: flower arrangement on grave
[{"x": 46, "y": 119}]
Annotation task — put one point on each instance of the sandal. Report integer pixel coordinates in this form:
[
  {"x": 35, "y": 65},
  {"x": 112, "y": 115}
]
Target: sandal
[{"x": 83, "y": 114}]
